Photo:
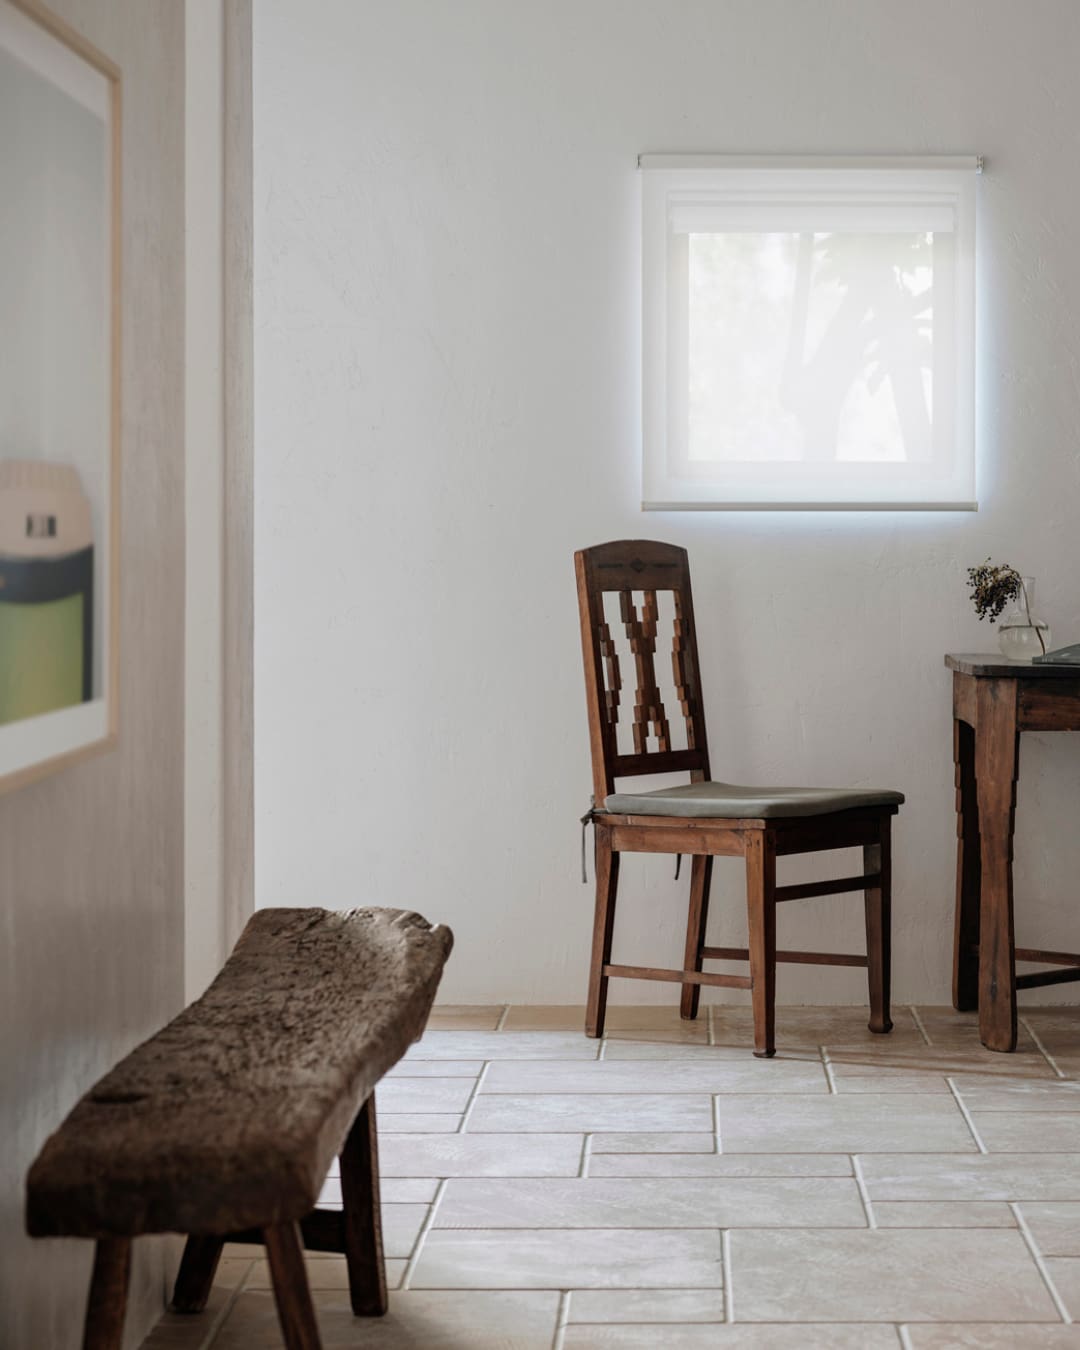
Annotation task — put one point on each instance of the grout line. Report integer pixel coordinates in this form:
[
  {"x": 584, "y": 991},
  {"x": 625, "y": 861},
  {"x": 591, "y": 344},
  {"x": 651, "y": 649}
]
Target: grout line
[
  {"x": 561, "y": 1319},
  {"x": 725, "y": 1266},
  {"x": 864, "y": 1194},
  {"x": 586, "y": 1155},
  {"x": 717, "y": 1148},
  {"x": 502, "y": 1017},
  {"x": 905, "y": 1338},
  {"x": 710, "y": 1034},
  {"x": 919, "y": 1024},
  {"x": 1036, "y": 1256},
  {"x": 1042, "y": 1048},
  {"x": 829, "y": 1078},
  {"x": 967, "y": 1115},
  {"x": 472, "y": 1098},
  {"x": 429, "y": 1219}
]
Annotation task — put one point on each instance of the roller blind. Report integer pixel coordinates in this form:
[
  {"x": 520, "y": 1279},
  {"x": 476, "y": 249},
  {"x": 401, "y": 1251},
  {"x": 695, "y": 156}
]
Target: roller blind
[{"x": 808, "y": 334}]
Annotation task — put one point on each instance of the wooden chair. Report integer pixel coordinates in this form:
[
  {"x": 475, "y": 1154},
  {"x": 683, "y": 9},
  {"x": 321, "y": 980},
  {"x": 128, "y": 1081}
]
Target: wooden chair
[{"x": 704, "y": 819}]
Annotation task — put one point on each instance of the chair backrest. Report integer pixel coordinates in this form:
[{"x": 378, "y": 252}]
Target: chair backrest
[{"x": 631, "y": 567}]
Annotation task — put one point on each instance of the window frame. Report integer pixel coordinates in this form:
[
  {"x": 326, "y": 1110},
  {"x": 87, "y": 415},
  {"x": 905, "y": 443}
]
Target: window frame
[{"x": 764, "y": 188}]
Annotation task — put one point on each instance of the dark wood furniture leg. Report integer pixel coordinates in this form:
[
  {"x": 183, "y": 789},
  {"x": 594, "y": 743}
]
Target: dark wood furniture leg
[
  {"x": 877, "y": 859},
  {"x": 965, "y": 991},
  {"x": 607, "y": 884},
  {"x": 108, "y": 1294},
  {"x": 761, "y": 923},
  {"x": 996, "y": 763},
  {"x": 195, "y": 1277},
  {"x": 363, "y": 1222},
  {"x": 700, "y": 881},
  {"x": 296, "y": 1313}
]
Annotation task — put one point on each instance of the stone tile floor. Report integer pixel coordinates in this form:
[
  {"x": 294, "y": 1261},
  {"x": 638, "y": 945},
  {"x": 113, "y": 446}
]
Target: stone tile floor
[{"x": 663, "y": 1188}]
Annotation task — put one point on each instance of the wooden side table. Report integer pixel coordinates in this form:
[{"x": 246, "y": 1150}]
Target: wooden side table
[{"x": 994, "y": 700}]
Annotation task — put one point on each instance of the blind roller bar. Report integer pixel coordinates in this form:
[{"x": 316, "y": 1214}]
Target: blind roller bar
[
  {"x": 792, "y": 218},
  {"x": 924, "y": 163}
]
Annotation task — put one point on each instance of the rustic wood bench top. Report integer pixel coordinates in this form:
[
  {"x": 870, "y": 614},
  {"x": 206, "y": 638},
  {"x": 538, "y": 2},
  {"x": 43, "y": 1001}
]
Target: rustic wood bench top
[{"x": 230, "y": 1116}]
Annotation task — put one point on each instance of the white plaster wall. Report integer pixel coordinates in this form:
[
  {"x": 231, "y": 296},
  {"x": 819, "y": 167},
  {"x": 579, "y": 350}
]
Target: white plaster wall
[{"x": 447, "y": 405}]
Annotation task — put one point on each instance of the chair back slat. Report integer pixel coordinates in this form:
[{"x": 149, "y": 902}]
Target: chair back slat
[{"x": 646, "y": 569}]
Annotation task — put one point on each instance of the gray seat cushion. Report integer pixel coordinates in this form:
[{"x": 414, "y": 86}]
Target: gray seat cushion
[{"x": 728, "y": 800}]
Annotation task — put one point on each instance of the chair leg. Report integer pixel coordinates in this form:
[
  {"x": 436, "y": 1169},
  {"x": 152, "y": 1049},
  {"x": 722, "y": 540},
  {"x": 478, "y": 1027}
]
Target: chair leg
[
  {"x": 607, "y": 883},
  {"x": 104, "y": 1329},
  {"x": 195, "y": 1277},
  {"x": 761, "y": 923},
  {"x": 296, "y": 1313},
  {"x": 700, "y": 880},
  {"x": 363, "y": 1223},
  {"x": 878, "y": 858}
]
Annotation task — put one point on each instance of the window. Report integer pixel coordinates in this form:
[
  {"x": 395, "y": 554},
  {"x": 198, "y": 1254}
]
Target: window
[{"x": 808, "y": 333}]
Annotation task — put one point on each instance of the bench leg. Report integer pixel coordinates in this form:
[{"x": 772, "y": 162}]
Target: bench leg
[
  {"x": 363, "y": 1222},
  {"x": 296, "y": 1313},
  {"x": 108, "y": 1294},
  {"x": 196, "y": 1274}
]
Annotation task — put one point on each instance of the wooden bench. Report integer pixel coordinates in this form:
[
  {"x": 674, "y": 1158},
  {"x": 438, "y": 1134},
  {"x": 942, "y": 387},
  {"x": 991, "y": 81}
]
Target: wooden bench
[{"x": 223, "y": 1126}]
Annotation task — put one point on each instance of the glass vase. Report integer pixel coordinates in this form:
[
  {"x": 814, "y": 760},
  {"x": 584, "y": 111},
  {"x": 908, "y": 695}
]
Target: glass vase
[{"x": 1022, "y": 635}]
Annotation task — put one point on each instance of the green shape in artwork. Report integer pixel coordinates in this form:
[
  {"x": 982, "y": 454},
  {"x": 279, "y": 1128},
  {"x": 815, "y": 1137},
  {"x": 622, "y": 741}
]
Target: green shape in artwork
[{"x": 41, "y": 657}]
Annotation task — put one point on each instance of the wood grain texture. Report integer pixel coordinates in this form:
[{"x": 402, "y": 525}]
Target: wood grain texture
[
  {"x": 363, "y": 1224},
  {"x": 230, "y": 1116},
  {"x": 997, "y": 753},
  {"x": 296, "y": 1312},
  {"x": 107, "y": 1302},
  {"x": 965, "y": 984}
]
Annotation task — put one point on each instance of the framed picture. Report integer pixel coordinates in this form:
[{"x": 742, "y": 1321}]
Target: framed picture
[{"x": 59, "y": 394}]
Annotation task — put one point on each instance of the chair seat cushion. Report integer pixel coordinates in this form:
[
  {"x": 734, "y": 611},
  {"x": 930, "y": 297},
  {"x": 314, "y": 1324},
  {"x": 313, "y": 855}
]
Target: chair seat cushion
[{"x": 728, "y": 801}]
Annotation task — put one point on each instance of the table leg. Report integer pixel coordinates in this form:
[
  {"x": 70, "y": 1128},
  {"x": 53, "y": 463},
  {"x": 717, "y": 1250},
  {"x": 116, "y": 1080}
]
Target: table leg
[
  {"x": 968, "y": 872},
  {"x": 996, "y": 761}
]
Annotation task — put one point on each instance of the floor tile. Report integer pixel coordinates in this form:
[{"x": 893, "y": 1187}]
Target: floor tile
[
  {"x": 916, "y": 1058},
  {"x": 595, "y": 1111},
  {"x": 1028, "y": 1131},
  {"x": 547, "y": 1017},
  {"x": 404, "y": 1122},
  {"x": 623, "y": 1141},
  {"x": 482, "y": 1045},
  {"x": 408, "y": 1190},
  {"x": 459, "y": 1017},
  {"x": 862, "y": 1078},
  {"x": 982, "y": 1176},
  {"x": 1054, "y": 1225},
  {"x": 653, "y": 1202},
  {"x": 889, "y": 1275},
  {"x": 1064, "y": 1271},
  {"x": 943, "y": 1214},
  {"x": 646, "y": 1305},
  {"x": 950, "y": 1029},
  {"x": 669, "y": 1051},
  {"x": 442, "y": 1320},
  {"x": 811, "y": 1027},
  {"x": 719, "y": 1165},
  {"x": 488, "y": 1155},
  {"x": 435, "y": 1068},
  {"x": 743, "y": 1075},
  {"x": 732, "y": 1337},
  {"x": 424, "y": 1094},
  {"x": 983, "y": 1093},
  {"x": 980, "y": 1336},
  {"x": 580, "y": 1258},
  {"x": 842, "y": 1124}
]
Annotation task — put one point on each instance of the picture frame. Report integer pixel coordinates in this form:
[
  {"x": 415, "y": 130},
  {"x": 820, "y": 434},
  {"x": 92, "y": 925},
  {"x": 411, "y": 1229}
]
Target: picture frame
[{"x": 60, "y": 356}]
